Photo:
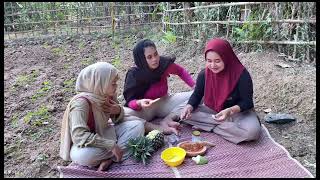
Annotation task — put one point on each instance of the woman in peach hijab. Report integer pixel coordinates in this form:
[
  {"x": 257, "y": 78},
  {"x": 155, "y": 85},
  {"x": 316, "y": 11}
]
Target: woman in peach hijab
[{"x": 93, "y": 132}]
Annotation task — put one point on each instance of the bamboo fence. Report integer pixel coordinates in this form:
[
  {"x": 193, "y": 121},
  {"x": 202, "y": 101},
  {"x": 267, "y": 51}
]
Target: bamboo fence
[
  {"x": 289, "y": 27},
  {"x": 85, "y": 18},
  {"x": 281, "y": 15}
]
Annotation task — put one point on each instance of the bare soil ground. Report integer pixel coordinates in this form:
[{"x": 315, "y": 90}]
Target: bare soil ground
[{"x": 39, "y": 78}]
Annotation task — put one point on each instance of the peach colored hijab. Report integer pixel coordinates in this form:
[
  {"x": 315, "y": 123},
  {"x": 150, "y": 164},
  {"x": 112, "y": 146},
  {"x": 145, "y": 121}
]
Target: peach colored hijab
[{"x": 91, "y": 83}]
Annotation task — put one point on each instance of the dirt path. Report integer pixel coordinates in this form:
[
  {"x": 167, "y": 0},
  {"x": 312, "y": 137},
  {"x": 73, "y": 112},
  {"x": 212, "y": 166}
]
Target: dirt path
[{"x": 39, "y": 78}]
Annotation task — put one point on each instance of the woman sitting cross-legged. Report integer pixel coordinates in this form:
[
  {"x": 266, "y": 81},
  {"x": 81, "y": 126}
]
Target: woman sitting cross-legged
[
  {"x": 93, "y": 132},
  {"x": 227, "y": 89},
  {"x": 147, "y": 82}
]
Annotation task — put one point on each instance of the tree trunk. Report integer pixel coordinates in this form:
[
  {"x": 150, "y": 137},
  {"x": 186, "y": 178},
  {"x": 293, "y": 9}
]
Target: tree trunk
[
  {"x": 187, "y": 17},
  {"x": 106, "y": 8}
]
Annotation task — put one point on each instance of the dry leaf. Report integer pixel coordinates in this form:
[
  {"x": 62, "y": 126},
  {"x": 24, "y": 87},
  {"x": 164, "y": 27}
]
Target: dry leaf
[
  {"x": 283, "y": 65},
  {"x": 267, "y": 110}
]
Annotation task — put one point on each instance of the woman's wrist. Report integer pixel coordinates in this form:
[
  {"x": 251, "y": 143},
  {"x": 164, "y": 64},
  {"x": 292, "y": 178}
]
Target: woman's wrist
[
  {"x": 234, "y": 109},
  {"x": 190, "y": 106},
  {"x": 230, "y": 111}
]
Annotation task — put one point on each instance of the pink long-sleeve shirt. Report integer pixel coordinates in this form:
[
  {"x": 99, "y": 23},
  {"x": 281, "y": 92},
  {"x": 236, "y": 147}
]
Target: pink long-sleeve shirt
[{"x": 160, "y": 88}]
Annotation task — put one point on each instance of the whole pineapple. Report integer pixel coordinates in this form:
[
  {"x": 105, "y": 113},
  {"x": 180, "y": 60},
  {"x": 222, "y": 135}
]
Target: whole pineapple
[
  {"x": 140, "y": 148},
  {"x": 157, "y": 139}
]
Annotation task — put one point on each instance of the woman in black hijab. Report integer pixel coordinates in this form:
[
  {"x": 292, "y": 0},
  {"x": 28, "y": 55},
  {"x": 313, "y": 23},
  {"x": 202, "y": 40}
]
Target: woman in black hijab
[{"x": 146, "y": 87}]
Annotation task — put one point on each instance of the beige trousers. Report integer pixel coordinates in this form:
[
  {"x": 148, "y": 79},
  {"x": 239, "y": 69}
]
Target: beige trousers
[
  {"x": 243, "y": 126},
  {"x": 159, "y": 109},
  {"x": 92, "y": 156}
]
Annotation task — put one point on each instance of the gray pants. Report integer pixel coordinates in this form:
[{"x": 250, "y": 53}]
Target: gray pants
[
  {"x": 159, "y": 109},
  {"x": 243, "y": 126},
  {"x": 92, "y": 156}
]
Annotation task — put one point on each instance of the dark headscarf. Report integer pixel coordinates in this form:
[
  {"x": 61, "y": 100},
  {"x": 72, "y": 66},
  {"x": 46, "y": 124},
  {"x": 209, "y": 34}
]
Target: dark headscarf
[
  {"x": 140, "y": 78},
  {"x": 219, "y": 86}
]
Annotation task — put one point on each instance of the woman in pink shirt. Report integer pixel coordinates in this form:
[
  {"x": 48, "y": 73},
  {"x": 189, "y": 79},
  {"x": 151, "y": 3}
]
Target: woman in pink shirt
[{"x": 146, "y": 88}]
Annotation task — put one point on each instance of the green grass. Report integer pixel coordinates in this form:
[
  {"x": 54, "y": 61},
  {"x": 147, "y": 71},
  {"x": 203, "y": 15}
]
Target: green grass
[
  {"x": 116, "y": 44},
  {"x": 129, "y": 41},
  {"x": 169, "y": 37},
  {"x": 86, "y": 61},
  {"x": 96, "y": 47},
  {"x": 14, "y": 120},
  {"x": 155, "y": 37},
  {"x": 57, "y": 51},
  {"x": 13, "y": 148},
  {"x": 70, "y": 82},
  {"x": 45, "y": 45},
  {"x": 69, "y": 85},
  {"x": 46, "y": 86},
  {"x": 36, "y": 118},
  {"x": 25, "y": 79},
  {"x": 38, "y": 134},
  {"x": 42, "y": 157},
  {"x": 35, "y": 73},
  {"x": 66, "y": 66},
  {"x": 116, "y": 62},
  {"x": 22, "y": 80},
  {"x": 81, "y": 45}
]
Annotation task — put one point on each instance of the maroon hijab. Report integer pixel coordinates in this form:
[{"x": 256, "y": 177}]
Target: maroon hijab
[{"x": 219, "y": 86}]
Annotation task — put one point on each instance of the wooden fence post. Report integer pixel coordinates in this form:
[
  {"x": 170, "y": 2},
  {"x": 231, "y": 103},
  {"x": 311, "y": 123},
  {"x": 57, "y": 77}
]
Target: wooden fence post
[
  {"x": 163, "y": 20},
  {"x": 295, "y": 37},
  {"x": 228, "y": 15},
  {"x": 277, "y": 13},
  {"x": 307, "y": 16},
  {"x": 12, "y": 12},
  {"x": 168, "y": 7},
  {"x": 128, "y": 9}
]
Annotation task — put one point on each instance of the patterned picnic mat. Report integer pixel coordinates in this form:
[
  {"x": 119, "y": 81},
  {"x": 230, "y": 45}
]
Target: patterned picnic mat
[{"x": 261, "y": 158}]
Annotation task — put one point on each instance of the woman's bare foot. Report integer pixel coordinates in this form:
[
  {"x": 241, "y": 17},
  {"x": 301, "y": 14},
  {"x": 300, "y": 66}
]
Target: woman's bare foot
[
  {"x": 170, "y": 125},
  {"x": 196, "y": 128},
  {"x": 169, "y": 130},
  {"x": 104, "y": 165}
]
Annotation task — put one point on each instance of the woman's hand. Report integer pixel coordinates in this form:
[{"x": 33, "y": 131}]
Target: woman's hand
[
  {"x": 169, "y": 127},
  {"x": 186, "y": 112},
  {"x": 117, "y": 152},
  {"x": 111, "y": 107},
  {"x": 144, "y": 103},
  {"x": 222, "y": 115}
]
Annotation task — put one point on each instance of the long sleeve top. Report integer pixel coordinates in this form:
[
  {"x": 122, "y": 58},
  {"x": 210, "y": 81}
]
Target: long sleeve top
[
  {"x": 160, "y": 88},
  {"x": 80, "y": 132},
  {"x": 242, "y": 94}
]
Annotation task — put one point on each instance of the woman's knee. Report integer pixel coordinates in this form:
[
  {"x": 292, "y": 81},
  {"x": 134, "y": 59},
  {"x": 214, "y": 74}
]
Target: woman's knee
[
  {"x": 253, "y": 133},
  {"x": 136, "y": 126},
  {"x": 86, "y": 156},
  {"x": 129, "y": 130},
  {"x": 251, "y": 124}
]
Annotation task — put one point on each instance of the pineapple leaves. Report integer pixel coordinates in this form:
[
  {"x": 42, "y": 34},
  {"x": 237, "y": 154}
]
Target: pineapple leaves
[{"x": 142, "y": 147}]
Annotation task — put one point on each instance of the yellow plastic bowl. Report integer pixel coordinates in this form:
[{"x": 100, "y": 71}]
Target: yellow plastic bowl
[{"x": 173, "y": 156}]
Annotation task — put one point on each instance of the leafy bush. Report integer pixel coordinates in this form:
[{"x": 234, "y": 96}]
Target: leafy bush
[{"x": 169, "y": 37}]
